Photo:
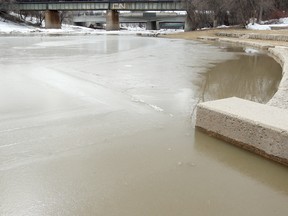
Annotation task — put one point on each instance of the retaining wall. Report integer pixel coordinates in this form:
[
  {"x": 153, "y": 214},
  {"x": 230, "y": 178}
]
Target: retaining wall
[
  {"x": 256, "y": 127},
  {"x": 280, "y": 99},
  {"x": 260, "y": 128},
  {"x": 274, "y": 37}
]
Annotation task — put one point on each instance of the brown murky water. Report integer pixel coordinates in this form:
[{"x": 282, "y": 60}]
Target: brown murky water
[
  {"x": 252, "y": 77},
  {"x": 102, "y": 126}
]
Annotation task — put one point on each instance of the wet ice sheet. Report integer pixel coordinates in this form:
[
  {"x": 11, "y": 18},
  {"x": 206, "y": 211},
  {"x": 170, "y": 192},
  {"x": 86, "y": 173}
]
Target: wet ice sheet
[{"x": 101, "y": 126}]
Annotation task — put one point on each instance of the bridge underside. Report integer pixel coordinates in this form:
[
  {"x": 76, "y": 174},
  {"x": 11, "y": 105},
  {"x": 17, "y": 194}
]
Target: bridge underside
[{"x": 152, "y": 21}]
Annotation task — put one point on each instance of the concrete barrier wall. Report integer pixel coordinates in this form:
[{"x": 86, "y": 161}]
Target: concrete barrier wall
[
  {"x": 256, "y": 127},
  {"x": 274, "y": 37},
  {"x": 280, "y": 99},
  {"x": 260, "y": 128}
]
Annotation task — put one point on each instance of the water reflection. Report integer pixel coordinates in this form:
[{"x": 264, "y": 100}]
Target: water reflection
[
  {"x": 252, "y": 77},
  {"x": 243, "y": 161}
]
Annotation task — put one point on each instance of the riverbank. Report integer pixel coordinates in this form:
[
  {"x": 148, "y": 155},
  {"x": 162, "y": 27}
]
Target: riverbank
[
  {"x": 215, "y": 33},
  {"x": 261, "y": 129},
  {"x": 275, "y": 42}
]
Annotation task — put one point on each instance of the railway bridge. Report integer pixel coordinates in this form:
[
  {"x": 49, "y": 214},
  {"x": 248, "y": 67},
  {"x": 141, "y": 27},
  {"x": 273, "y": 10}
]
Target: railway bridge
[{"x": 52, "y": 8}]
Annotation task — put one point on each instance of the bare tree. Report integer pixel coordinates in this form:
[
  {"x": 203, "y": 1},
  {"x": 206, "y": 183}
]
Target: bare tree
[
  {"x": 5, "y": 7},
  {"x": 264, "y": 8},
  {"x": 281, "y": 8},
  {"x": 223, "y": 11},
  {"x": 199, "y": 14},
  {"x": 191, "y": 23},
  {"x": 6, "y": 4},
  {"x": 66, "y": 17},
  {"x": 220, "y": 9},
  {"x": 208, "y": 12},
  {"x": 281, "y": 4},
  {"x": 39, "y": 15}
]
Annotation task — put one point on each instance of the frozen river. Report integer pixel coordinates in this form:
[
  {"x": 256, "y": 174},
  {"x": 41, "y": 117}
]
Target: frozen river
[{"x": 103, "y": 125}]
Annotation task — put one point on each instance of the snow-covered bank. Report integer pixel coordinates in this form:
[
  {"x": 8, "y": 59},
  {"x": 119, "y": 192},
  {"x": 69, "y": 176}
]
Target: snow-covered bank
[
  {"x": 281, "y": 23},
  {"x": 255, "y": 26},
  {"x": 9, "y": 27}
]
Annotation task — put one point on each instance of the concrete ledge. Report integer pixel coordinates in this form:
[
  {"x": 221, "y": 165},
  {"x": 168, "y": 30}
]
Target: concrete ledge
[
  {"x": 274, "y": 37},
  {"x": 256, "y": 127},
  {"x": 259, "y": 45},
  {"x": 280, "y": 99},
  {"x": 279, "y": 53}
]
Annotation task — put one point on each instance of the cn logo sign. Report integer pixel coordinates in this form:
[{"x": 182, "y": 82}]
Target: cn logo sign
[{"x": 118, "y": 6}]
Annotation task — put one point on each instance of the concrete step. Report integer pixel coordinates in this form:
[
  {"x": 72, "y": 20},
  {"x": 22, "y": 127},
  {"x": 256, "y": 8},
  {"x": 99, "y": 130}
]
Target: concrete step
[
  {"x": 241, "y": 42},
  {"x": 279, "y": 27},
  {"x": 274, "y": 37},
  {"x": 255, "y": 127}
]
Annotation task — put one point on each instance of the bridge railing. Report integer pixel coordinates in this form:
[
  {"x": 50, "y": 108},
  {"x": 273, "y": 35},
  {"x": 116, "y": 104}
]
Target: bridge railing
[
  {"x": 74, "y": 5},
  {"x": 84, "y": 1}
]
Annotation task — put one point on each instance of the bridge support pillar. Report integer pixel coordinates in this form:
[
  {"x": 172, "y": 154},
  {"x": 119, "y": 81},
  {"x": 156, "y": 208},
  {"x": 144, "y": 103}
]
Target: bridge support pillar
[
  {"x": 189, "y": 26},
  {"x": 152, "y": 25},
  {"x": 52, "y": 19},
  {"x": 112, "y": 20}
]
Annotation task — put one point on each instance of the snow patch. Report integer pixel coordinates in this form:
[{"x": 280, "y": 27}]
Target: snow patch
[
  {"x": 284, "y": 20},
  {"x": 250, "y": 50},
  {"x": 256, "y": 26},
  {"x": 10, "y": 27},
  {"x": 222, "y": 26}
]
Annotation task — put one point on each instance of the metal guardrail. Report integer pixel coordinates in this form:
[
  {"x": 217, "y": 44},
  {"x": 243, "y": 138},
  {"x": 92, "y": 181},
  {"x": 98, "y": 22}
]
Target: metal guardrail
[{"x": 96, "y": 1}]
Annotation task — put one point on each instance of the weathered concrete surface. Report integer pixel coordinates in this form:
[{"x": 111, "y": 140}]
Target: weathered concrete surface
[
  {"x": 280, "y": 99},
  {"x": 274, "y": 37},
  {"x": 112, "y": 20},
  {"x": 256, "y": 127},
  {"x": 52, "y": 19},
  {"x": 260, "y": 128},
  {"x": 279, "y": 53},
  {"x": 256, "y": 44}
]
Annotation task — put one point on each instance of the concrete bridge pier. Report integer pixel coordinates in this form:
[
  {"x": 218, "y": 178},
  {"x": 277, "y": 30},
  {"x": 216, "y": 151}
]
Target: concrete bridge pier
[
  {"x": 152, "y": 25},
  {"x": 52, "y": 19},
  {"x": 112, "y": 20},
  {"x": 189, "y": 26}
]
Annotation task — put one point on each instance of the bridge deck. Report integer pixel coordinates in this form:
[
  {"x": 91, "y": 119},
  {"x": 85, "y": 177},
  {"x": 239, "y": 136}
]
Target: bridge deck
[{"x": 69, "y": 5}]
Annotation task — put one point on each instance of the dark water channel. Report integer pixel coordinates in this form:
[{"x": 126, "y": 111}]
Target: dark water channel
[{"x": 101, "y": 125}]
